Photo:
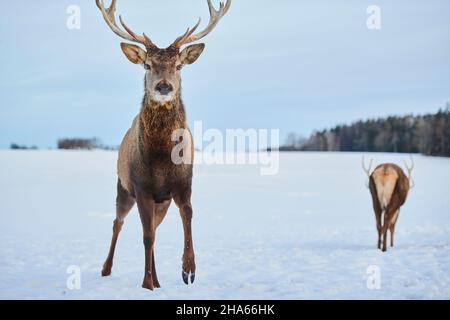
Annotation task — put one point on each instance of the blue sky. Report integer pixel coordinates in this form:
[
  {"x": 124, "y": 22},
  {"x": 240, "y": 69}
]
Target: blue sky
[{"x": 289, "y": 65}]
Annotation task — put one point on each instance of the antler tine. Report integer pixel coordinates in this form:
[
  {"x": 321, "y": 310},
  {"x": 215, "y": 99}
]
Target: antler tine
[
  {"x": 110, "y": 19},
  {"x": 141, "y": 39},
  {"x": 367, "y": 170},
  {"x": 215, "y": 17},
  {"x": 108, "y": 15},
  {"x": 179, "y": 41},
  {"x": 410, "y": 170}
]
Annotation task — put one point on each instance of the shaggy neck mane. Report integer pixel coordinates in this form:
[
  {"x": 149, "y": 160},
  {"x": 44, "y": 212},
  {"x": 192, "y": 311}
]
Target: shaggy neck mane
[{"x": 157, "y": 118}]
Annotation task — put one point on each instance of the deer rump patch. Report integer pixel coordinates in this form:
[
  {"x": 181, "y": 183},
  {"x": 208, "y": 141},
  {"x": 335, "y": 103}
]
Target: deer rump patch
[{"x": 385, "y": 179}]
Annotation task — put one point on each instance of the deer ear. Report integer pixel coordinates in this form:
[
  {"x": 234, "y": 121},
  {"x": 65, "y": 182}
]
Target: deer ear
[
  {"x": 190, "y": 54},
  {"x": 134, "y": 53}
]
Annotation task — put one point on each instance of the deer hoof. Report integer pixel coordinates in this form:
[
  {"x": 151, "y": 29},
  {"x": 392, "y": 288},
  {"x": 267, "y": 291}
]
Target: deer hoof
[
  {"x": 148, "y": 284},
  {"x": 156, "y": 284},
  {"x": 106, "y": 272},
  {"x": 185, "y": 277}
]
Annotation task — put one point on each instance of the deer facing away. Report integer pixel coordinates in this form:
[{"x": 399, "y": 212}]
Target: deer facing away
[
  {"x": 147, "y": 174},
  {"x": 389, "y": 187}
]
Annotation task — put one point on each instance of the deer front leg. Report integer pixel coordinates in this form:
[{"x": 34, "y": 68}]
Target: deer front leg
[
  {"x": 146, "y": 207},
  {"x": 188, "y": 269},
  {"x": 160, "y": 213}
]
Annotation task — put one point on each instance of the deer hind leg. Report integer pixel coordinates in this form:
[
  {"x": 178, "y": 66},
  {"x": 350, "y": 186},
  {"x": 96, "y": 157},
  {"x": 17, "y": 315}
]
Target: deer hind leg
[
  {"x": 183, "y": 202},
  {"x": 378, "y": 218},
  {"x": 124, "y": 203},
  {"x": 384, "y": 229},
  {"x": 388, "y": 222},
  {"x": 392, "y": 227}
]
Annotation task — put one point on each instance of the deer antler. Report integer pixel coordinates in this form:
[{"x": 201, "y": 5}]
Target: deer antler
[
  {"x": 367, "y": 170},
  {"x": 108, "y": 15},
  {"x": 410, "y": 170},
  {"x": 215, "y": 17}
]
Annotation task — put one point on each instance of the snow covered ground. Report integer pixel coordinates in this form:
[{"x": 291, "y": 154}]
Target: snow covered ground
[{"x": 306, "y": 233}]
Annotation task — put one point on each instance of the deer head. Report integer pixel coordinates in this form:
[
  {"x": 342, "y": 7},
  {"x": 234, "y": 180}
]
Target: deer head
[{"x": 163, "y": 66}]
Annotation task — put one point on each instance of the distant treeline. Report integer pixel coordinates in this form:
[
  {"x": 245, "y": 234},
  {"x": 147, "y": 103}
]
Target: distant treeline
[
  {"x": 427, "y": 134},
  {"x": 70, "y": 144},
  {"x": 15, "y": 146},
  {"x": 81, "y": 144}
]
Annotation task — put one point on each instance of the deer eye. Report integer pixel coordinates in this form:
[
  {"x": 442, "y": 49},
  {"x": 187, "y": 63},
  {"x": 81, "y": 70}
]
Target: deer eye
[
  {"x": 179, "y": 67},
  {"x": 147, "y": 66}
]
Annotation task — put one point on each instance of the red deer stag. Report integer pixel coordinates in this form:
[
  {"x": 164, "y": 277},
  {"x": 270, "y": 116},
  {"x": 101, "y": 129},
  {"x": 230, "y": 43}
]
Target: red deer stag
[
  {"x": 147, "y": 173},
  {"x": 389, "y": 187}
]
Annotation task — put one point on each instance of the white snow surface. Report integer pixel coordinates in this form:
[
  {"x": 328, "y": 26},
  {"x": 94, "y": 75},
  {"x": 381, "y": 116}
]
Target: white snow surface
[{"x": 306, "y": 233}]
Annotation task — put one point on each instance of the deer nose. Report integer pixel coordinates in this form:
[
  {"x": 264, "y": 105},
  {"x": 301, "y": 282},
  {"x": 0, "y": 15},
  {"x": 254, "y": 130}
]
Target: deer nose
[{"x": 164, "y": 88}]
